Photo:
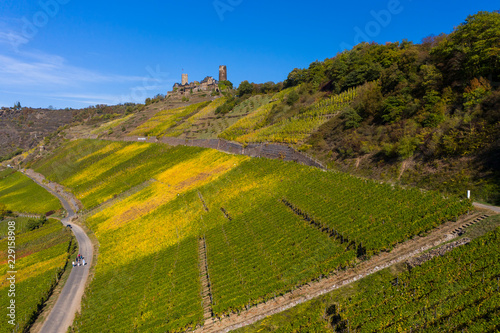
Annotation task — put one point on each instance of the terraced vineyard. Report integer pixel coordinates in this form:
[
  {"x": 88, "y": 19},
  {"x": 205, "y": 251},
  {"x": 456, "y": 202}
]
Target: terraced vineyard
[
  {"x": 355, "y": 212},
  {"x": 248, "y": 124},
  {"x": 155, "y": 292},
  {"x": 97, "y": 171},
  {"x": 211, "y": 125},
  {"x": 197, "y": 121},
  {"x": 453, "y": 293},
  {"x": 266, "y": 253},
  {"x": 153, "y": 229},
  {"x": 254, "y": 120},
  {"x": 291, "y": 130},
  {"x": 21, "y": 225},
  {"x": 111, "y": 125},
  {"x": 262, "y": 239},
  {"x": 256, "y": 248},
  {"x": 266, "y": 228},
  {"x": 164, "y": 122},
  {"x": 20, "y": 194},
  {"x": 437, "y": 297},
  {"x": 41, "y": 256}
]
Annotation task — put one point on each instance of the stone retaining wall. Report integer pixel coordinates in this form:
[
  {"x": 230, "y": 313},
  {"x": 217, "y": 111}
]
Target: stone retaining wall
[{"x": 266, "y": 150}]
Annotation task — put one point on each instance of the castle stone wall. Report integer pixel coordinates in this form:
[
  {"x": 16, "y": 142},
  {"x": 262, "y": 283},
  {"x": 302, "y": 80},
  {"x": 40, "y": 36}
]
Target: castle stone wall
[{"x": 222, "y": 73}]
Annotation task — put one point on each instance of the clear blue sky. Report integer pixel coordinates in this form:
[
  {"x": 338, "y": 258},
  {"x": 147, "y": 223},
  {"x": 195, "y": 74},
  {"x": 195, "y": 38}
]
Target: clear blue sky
[{"x": 70, "y": 53}]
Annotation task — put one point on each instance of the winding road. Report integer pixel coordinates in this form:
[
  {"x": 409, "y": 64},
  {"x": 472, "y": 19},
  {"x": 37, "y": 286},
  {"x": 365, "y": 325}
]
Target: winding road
[{"x": 68, "y": 303}]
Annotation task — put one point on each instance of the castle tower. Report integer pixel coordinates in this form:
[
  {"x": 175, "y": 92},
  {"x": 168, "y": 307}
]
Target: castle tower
[
  {"x": 185, "y": 79},
  {"x": 222, "y": 73}
]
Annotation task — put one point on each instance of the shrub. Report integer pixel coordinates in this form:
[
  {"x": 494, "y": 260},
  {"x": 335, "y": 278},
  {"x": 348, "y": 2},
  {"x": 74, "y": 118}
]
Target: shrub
[
  {"x": 352, "y": 118},
  {"x": 406, "y": 147},
  {"x": 292, "y": 98},
  {"x": 36, "y": 223}
]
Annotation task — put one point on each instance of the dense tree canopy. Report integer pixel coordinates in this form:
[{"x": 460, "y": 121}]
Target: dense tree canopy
[
  {"x": 472, "y": 50},
  {"x": 435, "y": 101}
]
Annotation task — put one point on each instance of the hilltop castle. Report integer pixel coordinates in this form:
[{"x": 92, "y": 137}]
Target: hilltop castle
[{"x": 208, "y": 83}]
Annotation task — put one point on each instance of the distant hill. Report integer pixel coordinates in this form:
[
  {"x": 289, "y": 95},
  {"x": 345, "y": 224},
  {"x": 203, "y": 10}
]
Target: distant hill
[{"x": 22, "y": 129}]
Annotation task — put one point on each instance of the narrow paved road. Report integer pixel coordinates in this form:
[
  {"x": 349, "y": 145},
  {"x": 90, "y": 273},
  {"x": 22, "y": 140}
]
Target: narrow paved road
[
  {"x": 62, "y": 315},
  {"x": 493, "y": 208}
]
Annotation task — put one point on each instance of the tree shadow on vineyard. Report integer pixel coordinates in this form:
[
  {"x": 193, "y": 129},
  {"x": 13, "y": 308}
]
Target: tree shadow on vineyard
[{"x": 335, "y": 319}]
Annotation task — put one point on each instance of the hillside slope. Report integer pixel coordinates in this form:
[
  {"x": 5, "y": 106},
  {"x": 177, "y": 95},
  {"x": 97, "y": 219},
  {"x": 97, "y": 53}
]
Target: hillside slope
[
  {"x": 42, "y": 255},
  {"x": 429, "y": 115},
  {"x": 189, "y": 235},
  {"x": 266, "y": 226},
  {"x": 21, "y": 194},
  {"x": 22, "y": 129},
  {"x": 424, "y": 114},
  {"x": 455, "y": 291}
]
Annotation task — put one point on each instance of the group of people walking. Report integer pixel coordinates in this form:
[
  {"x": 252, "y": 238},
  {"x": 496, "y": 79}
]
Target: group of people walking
[{"x": 80, "y": 261}]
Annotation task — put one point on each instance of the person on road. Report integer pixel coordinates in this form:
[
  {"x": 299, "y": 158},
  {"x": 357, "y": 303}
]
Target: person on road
[{"x": 73, "y": 264}]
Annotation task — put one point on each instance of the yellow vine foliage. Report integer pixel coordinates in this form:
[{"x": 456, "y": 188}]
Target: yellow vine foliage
[
  {"x": 180, "y": 178},
  {"x": 32, "y": 269},
  {"x": 207, "y": 110},
  {"x": 104, "y": 150},
  {"x": 110, "y": 124},
  {"x": 96, "y": 169},
  {"x": 102, "y": 185},
  {"x": 167, "y": 122},
  {"x": 247, "y": 124},
  {"x": 134, "y": 226}
]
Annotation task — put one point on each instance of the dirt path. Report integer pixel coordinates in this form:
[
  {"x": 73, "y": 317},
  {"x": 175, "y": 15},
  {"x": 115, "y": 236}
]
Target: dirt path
[
  {"x": 63, "y": 313},
  {"x": 400, "y": 253}
]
